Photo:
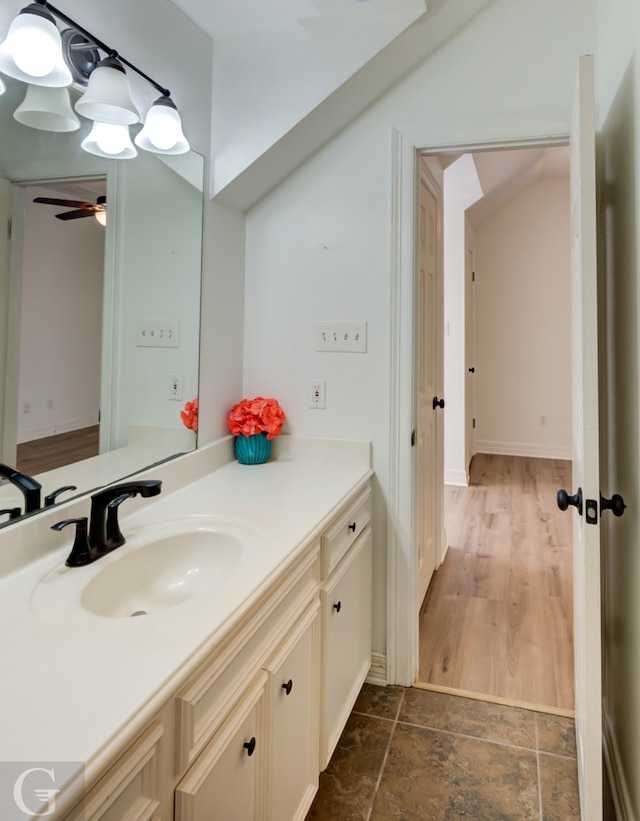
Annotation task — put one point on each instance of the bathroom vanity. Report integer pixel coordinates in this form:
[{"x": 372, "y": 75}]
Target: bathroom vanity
[{"x": 221, "y": 697}]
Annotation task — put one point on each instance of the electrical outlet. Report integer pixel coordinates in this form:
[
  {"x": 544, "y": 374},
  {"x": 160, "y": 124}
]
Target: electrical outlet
[
  {"x": 26, "y": 407},
  {"x": 175, "y": 386},
  {"x": 158, "y": 333},
  {"x": 344, "y": 337},
  {"x": 317, "y": 397}
]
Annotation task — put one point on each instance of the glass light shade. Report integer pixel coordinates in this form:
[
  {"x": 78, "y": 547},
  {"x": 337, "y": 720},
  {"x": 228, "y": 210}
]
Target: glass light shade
[
  {"x": 48, "y": 109},
  {"x": 3, "y": 87},
  {"x": 32, "y": 50},
  {"x": 101, "y": 217},
  {"x": 108, "y": 96},
  {"x": 111, "y": 141},
  {"x": 162, "y": 131}
]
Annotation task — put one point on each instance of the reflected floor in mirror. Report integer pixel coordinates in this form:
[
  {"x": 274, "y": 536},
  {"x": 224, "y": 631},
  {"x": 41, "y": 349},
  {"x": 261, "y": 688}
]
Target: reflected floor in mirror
[{"x": 53, "y": 452}]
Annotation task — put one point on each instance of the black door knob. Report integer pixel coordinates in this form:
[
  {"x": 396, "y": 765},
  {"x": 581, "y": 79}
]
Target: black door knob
[
  {"x": 438, "y": 403},
  {"x": 615, "y": 504},
  {"x": 472, "y": 370},
  {"x": 564, "y": 500},
  {"x": 288, "y": 686},
  {"x": 250, "y": 746}
]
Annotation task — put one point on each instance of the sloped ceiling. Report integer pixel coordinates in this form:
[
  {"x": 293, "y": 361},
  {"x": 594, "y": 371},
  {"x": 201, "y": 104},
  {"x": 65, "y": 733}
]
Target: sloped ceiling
[
  {"x": 290, "y": 74},
  {"x": 505, "y": 174}
]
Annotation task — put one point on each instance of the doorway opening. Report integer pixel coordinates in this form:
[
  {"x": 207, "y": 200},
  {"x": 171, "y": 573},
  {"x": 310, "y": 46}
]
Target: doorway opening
[
  {"x": 497, "y": 618},
  {"x": 55, "y": 344}
]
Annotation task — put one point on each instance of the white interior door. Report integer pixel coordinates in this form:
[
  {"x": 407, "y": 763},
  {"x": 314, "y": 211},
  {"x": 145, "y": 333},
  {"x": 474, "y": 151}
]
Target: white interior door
[
  {"x": 586, "y": 474},
  {"x": 428, "y": 483}
]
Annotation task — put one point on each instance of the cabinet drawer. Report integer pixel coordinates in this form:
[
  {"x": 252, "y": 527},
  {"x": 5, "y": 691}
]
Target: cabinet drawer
[
  {"x": 349, "y": 525},
  {"x": 130, "y": 788},
  {"x": 203, "y": 703}
]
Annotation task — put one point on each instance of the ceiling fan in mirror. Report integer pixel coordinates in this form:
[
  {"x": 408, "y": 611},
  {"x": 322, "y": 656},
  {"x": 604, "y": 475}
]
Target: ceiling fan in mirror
[{"x": 81, "y": 208}]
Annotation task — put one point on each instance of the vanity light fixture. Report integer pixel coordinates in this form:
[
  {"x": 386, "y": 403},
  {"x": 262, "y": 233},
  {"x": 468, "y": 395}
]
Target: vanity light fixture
[
  {"x": 35, "y": 52},
  {"x": 32, "y": 49},
  {"x": 162, "y": 131},
  {"x": 108, "y": 96},
  {"x": 110, "y": 140},
  {"x": 48, "y": 109}
]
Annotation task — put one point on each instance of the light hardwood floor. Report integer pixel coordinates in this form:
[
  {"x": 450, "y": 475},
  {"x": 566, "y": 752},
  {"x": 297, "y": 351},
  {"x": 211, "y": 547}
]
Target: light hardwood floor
[{"x": 498, "y": 616}]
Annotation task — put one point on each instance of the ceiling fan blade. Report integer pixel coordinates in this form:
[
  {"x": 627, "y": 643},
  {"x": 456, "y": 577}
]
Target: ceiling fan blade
[
  {"x": 64, "y": 203},
  {"x": 74, "y": 215}
]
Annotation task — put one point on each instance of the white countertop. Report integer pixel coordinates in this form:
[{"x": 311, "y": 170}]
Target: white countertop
[{"x": 76, "y": 690}]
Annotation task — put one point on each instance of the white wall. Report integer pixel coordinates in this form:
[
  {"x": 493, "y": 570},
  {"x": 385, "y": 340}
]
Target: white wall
[
  {"x": 523, "y": 325},
  {"x": 318, "y": 246},
  {"x": 61, "y": 320},
  {"x": 158, "y": 264}
]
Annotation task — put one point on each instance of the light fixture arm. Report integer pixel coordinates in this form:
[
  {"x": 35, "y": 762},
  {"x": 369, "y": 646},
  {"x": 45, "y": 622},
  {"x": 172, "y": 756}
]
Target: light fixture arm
[{"x": 102, "y": 46}]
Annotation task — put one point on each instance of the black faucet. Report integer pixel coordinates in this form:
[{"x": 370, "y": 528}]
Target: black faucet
[
  {"x": 103, "y": 532},
  {"x": 28, "y": 485}
]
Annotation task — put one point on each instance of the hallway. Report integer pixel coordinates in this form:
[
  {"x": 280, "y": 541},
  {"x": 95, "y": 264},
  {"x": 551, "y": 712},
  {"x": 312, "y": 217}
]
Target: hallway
[{"x": 498, "y": 616}]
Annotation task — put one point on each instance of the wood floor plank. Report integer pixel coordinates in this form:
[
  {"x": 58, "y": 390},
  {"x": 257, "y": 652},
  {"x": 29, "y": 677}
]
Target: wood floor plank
[
  {"x": 497, "y": 618},
  {"x": 52, "y": 452}
]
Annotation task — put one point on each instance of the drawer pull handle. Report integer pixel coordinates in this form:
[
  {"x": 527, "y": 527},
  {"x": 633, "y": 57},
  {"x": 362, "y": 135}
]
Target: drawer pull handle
[
  {"x": 337, "y": 606},
  {"x": 352, "y": 527},
  {"x": 250, "y": 746},
  {"x": 288, "y": 686}
]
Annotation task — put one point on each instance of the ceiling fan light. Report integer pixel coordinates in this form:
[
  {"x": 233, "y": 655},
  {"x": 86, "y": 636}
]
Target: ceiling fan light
[
  {"x": 111, "y": 141},
  {"x": 101, "y": 217},
  {"x": 32, "y": 50},
  {"x": 162, "y": 132},
  {"x": 47, "y": 109},
  {"x": 108, "y": 95},
  {"x": 3, "y": 87}
]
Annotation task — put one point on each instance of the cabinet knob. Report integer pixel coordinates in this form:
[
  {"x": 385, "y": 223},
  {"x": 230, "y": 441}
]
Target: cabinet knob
[
  {"x": 288, "y": 686},
  {"x": 337, "y": 606},
  {"x": 352, "y": 527},
  {"x": 250, "y": 746}
]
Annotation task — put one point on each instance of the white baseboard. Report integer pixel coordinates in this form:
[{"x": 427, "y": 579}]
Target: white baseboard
[
  {"x": 54, "y": 428},
  {"x": 460, "y": 478},
  {"x": 617, "y": 782},
  {"x": 524, "y": 449},
  {"x": 378, "y": 671}
]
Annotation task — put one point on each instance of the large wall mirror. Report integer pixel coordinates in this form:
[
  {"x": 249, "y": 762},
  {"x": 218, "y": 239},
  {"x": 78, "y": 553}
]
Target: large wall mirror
[{"x": 99, "y": 324}]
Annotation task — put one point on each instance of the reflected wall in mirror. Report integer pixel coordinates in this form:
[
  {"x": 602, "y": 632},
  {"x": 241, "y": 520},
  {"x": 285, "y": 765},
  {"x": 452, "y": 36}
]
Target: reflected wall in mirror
[{"x": 92, "y": 364}]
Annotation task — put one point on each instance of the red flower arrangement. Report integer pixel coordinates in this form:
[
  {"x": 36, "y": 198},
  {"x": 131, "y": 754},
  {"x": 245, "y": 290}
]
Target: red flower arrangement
[
  {"x": 189, "y": 415},
  {"x": 255, "y": 416}
]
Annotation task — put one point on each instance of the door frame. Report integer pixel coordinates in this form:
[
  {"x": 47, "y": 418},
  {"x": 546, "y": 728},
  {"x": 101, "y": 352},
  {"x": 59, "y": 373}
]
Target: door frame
[
  {"x": 12, "y": 290},
  {"x": 402, "y": 651}
]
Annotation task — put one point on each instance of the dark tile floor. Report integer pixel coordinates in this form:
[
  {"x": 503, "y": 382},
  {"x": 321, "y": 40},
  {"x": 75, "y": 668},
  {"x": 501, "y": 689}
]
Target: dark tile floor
[{"x": 413, "y": 755}]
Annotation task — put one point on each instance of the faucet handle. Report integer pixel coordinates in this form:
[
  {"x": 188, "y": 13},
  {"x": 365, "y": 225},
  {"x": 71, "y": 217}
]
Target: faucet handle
[
  {"x": 50, "y": 499},
  {"x": 13, "y": 512},
  {"x": 81, "y": 552},
  {"x": 114, "y": 534}
]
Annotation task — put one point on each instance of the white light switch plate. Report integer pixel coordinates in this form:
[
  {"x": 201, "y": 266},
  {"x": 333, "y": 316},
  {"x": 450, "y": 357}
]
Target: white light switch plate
[
  {"x": 158, "y": 333},
  {"x": 343, "y": 337}
]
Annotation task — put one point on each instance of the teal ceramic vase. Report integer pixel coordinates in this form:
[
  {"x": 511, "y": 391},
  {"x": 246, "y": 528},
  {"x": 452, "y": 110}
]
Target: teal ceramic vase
[{"x": 253, "y": 450}]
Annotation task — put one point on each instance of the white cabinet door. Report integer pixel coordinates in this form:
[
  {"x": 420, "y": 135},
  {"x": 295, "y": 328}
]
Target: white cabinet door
[
  {"x": 293, "y": 721},
  {"x": 225, "y": 782},
  {"x": 346, "y": 641}
]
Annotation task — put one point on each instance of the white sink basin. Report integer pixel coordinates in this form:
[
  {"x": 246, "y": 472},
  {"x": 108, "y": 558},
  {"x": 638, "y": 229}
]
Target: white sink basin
[{"x": 160, "y": 567}]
